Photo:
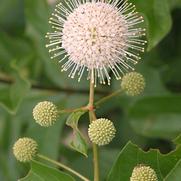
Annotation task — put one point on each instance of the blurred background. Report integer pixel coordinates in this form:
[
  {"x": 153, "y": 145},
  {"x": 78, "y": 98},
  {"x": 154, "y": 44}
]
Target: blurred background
[{"x": 28, "y": 75}]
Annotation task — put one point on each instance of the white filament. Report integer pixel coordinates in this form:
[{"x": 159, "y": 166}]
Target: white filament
[{"x": 96, "y": 36}]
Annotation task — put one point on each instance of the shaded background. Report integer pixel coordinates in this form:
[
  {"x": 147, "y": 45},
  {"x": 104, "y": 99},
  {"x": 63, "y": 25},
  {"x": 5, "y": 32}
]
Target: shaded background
[{"x": 27, "y": 76}]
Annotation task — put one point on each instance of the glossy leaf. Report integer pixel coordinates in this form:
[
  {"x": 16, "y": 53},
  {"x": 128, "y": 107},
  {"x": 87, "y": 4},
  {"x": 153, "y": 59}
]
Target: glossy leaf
[
  {"x": 41, "y": 172},
  {"x": 129, "y": 157},
  {"x": 166, "y": 166},
  {"x": 175, "y": 174}
]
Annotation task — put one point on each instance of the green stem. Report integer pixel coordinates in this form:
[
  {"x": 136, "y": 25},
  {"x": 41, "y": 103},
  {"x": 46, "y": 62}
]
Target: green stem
[
  {"x": 106, "y": 98},
  {"x": 63, "y": 166},
  {"x": 84, "y": 108},
  {"x": 92, "y": 117}
]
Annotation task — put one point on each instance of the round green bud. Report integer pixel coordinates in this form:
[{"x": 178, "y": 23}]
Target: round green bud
[
  {"x": 25, "y": 149},
  {"x": 143, "y": 173},
  {"x": 101, "y": 131},
  {"x": 133, "y": 83},
  {"x": 45, "y": 113}
]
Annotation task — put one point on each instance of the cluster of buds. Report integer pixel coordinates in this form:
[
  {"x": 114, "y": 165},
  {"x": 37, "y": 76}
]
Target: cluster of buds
[
  {"x": 101, "y": 131},
  {"x": 46, "y": 113}
]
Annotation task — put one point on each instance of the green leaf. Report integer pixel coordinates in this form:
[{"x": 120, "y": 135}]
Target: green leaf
[
  {"x": 157, "y": 17},
  {"x": 41, "y": 172},
  {"x": 130, "y": 157},
  {"x": 166, "y": 166},
  {"x": 175, "y": 173},
  {"x": 73, "y": 119},
  {"x": 177, "y": 140},
  {"x": 12, "y": 96},
  {"x": 78, "y": 142},
  {"x": 170, "y": 163},
  {"x": 157, "y": 116}
]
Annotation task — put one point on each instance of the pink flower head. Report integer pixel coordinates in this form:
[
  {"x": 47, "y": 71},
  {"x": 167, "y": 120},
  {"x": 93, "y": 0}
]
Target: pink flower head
[{"x": 96, "y": 36}]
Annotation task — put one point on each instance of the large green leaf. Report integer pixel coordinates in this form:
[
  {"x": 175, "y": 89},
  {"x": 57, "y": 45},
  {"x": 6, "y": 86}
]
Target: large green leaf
[
  {"x": 157, "y": 17},
  {"x": 41, "y": 172},
  {"x": 157, "y": 116},
  {"x": 175, "y": 174},
  {"x": 165, "y": 166},
  {"x": 130, "y": 157}
]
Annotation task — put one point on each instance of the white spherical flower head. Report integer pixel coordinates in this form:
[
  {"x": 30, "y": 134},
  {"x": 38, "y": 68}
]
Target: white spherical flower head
[
  {"x": 96, "y": 36},
  {"x": 101, "y": 131},
  {"x": 93, "y": 40},
  {"x": 143, "y": 173},
  {"x": 25, "y": 149},
  {"x": 45, "y": 113},
  {"x": 133, "y": 83}
]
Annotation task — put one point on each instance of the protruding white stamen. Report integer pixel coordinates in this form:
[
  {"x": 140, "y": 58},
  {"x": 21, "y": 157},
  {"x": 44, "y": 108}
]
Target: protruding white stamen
[{"x": 98, "y": 36}]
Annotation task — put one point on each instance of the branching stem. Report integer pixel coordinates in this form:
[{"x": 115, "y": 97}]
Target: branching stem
[
  {"x": 106, "y": 98},
  {"x": 84, "y": 108}
]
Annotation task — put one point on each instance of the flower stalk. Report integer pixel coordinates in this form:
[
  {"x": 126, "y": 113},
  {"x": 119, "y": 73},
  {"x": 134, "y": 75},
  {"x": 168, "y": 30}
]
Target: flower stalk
[
  {"x": 106, "y": 98},
  {"x": 84, "y": 108},
  {"x": 92, "y": 117}
]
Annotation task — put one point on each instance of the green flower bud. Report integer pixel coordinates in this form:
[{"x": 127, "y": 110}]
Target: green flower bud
[
  {"x": 143, "y": 173},
  {"x": 133, "y": 83},
  {"x": 101, "y": 131},
  {"x": 45, "y": 113},
  {"x": 25, "y": 149}
]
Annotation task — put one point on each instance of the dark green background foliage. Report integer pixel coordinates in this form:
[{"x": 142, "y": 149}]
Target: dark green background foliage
[{"x": 27, "y": 76}]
